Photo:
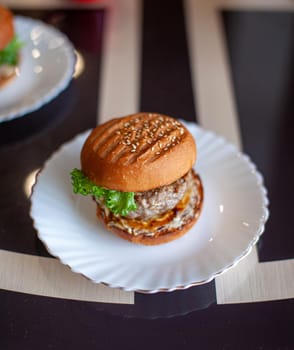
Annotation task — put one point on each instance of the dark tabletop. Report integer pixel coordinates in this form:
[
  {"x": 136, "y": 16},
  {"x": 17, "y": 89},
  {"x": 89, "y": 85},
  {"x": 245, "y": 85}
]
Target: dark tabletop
[{"x": 261, "y": 57}]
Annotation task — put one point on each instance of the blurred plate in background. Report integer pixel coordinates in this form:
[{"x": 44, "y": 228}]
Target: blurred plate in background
[{"x": 47, "y": 61}]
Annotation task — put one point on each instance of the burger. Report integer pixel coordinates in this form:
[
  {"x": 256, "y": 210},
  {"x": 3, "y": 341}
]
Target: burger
[
  {"x": 139, "y": 171},
  {"x": 9, "y": 46}
]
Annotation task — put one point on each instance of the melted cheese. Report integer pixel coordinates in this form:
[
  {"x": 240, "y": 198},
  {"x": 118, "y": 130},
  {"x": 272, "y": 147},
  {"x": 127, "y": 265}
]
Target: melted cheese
[{"x": 168, "y": 220}]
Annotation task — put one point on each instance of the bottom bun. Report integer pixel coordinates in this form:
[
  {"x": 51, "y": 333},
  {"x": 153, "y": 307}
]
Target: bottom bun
[
  {"x": 4, "y": 80},
  {"x": 184, "y": 216}
]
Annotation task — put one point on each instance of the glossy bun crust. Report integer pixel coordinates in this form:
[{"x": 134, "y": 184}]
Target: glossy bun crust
[
  {"x": 5, "y": 80},
  {"x": 6, "y": 27},
  {"x": 138, "y": 152},
  {"x": 6, "y": 35},
  {"x": 167, "y": 233}
]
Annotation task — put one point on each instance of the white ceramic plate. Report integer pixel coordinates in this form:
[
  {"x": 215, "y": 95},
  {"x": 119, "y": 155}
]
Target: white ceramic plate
[
  {"x": 233, "y": 218},
  {"x": 46, "y": 68}
]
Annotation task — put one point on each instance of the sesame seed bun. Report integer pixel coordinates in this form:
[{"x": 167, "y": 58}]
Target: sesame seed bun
[
  {"x": 7, "y": 73},
  {"x": 6, "y": 27},
  {"x": 138, "y": 152}
]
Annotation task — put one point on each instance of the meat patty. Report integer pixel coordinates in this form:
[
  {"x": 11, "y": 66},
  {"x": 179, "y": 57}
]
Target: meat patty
[
  {"x": 160, "y": 227},
  {"x": 159, "y": 200}
]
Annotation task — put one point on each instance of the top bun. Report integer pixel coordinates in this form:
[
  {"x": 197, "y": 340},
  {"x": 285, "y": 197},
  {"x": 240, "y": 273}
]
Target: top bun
[
  {"x": 138, "y": 152},
  {"x": 6, "y": 27}
]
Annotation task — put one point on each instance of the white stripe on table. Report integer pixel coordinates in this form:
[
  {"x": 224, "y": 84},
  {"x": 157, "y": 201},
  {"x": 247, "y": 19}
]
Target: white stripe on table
[
  {"x": 120, "y": 84},
  {"x": 48, "y": 277},
  {"x": 256, "y": 5}
]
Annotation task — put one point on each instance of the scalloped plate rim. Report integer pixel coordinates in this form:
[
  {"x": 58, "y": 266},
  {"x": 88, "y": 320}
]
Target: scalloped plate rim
[{"x": 237, "y": 259}]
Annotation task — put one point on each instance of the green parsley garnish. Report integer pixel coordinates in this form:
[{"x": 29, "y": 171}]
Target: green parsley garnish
[{"x": 118, "y": 202}]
